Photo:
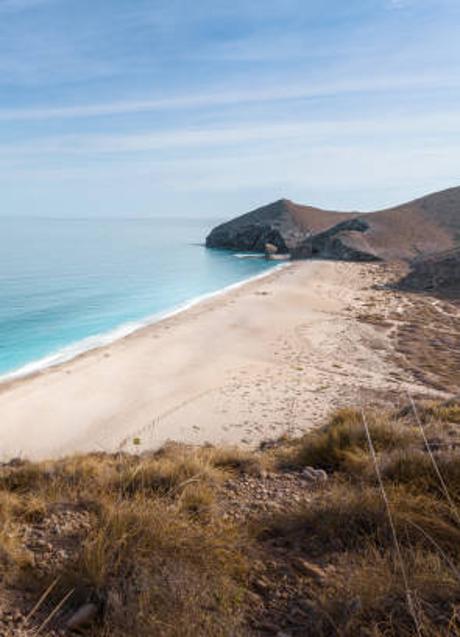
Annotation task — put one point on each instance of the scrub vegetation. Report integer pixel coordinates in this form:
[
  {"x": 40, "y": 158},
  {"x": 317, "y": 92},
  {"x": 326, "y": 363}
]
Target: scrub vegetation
[{"x": 295, "y": 538}]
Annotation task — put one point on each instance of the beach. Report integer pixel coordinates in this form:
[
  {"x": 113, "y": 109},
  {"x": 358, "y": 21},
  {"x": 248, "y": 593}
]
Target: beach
[{"x": 268, "y": 358}]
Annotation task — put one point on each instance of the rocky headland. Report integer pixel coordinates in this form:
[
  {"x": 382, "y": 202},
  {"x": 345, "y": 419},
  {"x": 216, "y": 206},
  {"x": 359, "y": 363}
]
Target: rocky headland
[{"x": 421, "y": 227}]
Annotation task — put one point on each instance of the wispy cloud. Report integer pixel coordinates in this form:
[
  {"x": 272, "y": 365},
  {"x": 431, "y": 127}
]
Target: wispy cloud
[
  {"x": 335, "y": 175},
  {"x": 242, "y": 96},
  {"x": 363, "y": 131}
]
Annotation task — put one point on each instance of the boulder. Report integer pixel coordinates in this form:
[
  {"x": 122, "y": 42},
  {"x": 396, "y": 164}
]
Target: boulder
[{"x": 270, "y": 250}]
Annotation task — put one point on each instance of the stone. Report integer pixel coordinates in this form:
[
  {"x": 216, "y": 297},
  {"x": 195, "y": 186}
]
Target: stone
[
  {"x": 270, "y": 249},
  {"x": 261, "y": 584},
  {"x": 309, "y": 474},
  {"x": 83, "y": 617},
  {"x": 321, "y": 475},
  {"x": 308, "y": 569},
  {"x": 314, "y": 475}
]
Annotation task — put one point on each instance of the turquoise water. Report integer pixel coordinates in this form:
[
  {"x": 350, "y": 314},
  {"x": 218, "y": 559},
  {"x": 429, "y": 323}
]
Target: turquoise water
[{"x": 69, "y": 285}]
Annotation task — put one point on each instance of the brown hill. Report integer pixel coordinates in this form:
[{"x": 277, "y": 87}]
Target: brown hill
[{"x": 427, "y": 225}]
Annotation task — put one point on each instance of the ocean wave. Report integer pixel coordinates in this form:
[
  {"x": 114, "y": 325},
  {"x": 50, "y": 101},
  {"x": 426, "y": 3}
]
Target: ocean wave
[
  {"x": 249, "y": 255},
  {"x": 97, "y": 341}
]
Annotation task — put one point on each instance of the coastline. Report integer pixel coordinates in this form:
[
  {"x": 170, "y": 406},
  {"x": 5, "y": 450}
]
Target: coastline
[
  {"x": 271, "y": 356},
  {"x": 97, "y": 341}
]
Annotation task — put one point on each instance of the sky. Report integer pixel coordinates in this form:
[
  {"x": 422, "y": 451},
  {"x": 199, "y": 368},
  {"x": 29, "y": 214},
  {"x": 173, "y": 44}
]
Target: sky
[{"x": 139, "y": 108}]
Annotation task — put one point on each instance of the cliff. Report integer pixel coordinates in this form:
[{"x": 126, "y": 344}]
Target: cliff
[{"x": 424, "y": 226}]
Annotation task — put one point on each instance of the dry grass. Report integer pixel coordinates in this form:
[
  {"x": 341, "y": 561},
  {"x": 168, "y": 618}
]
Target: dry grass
[
  {"x": 157, "y": 557},
  {"x": 239, "y": 460},
  {"x": 347, "y": 525},
  {"x": 447, "y": 412},
  {"x": 343, "y": 444},
  {"x": 414, "y": 469},
  {"x": 165, "y": 475},
  {"x": 373, "y": 602},
  {"x": 176, "y": 576},
  {"x": 176, "y": 467},
  {"x": 347, "y": 519},
  {"x": 13, "y": 555}
]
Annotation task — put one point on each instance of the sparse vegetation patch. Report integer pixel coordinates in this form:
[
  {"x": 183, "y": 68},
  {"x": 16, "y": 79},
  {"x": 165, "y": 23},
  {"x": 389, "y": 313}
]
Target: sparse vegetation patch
[{"x": 292, "y": 539}]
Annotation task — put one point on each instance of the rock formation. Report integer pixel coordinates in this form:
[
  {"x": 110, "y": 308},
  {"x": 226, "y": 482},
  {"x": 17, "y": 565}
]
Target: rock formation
[
  {"x": 282, "y": 224},
  {"x": 421, "y": 227},
  {"x": 343, "y": 241}
]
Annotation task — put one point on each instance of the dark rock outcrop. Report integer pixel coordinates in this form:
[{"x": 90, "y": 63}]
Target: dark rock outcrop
[
  {"x": 249, "y": 238},
  {"x": 421, "y": 227},
  {"x": 282, "y": 224},
  {"x": 343, "y": 241},
  {"x": 435, "y": 273}
]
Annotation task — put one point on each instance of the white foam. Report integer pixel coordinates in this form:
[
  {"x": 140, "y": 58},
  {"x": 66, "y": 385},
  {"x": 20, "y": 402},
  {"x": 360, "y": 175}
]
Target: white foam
[{"x": 100, "y": 340}]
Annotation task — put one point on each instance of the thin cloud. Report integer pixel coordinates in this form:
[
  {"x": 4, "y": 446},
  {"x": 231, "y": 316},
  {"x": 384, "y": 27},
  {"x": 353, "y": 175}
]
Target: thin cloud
[
  {"x": 425, "y": 126},
  {"x": 230, "y": 98}
]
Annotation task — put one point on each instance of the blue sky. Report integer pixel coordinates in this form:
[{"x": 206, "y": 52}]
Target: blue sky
[{"x": 145, "y": 107}]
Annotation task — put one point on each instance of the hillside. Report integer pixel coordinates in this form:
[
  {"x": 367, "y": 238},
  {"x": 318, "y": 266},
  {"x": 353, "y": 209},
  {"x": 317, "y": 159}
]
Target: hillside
[
  {"x": 293, "y": 539},
  {"x": 438, "y": 273},
  {"x": 427, "y": 225}
]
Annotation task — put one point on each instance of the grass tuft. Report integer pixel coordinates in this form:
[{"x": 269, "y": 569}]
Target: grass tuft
[
  {"x": 342, "y": 444},
  {"x": 177, "y": 576}
]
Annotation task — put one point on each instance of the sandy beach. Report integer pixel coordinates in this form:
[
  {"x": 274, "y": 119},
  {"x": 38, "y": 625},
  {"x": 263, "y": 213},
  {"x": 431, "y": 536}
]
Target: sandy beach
[{"x": 271, "y": 357}]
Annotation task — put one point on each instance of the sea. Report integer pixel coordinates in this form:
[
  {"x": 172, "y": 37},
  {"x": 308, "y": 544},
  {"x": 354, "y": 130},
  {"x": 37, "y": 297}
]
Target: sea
[{"x": 70, "y": 285}]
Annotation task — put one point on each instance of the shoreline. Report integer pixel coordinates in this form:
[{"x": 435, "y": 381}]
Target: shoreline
[
  {"x": 105, "y": 339},
  {"x": 272, "y": 356}
]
